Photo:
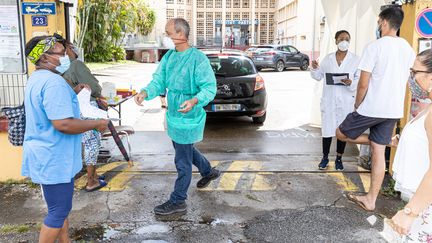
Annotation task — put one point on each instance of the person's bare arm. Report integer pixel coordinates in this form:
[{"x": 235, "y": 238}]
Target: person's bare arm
[
  {"x": 423, "y": 196},
  {"x": 362, "y": 88},
  {"x": 77, "y": 126}
]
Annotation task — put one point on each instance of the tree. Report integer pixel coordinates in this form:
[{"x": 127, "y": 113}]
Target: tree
[{"x": 103, "y": 24}]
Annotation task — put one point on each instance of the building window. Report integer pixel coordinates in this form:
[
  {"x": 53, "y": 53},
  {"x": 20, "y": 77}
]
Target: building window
[
  {"x": 236, "y": 3},
  {"x": 236, "y": 16},
  {"x": 170, "y": 1},
  {"x": 292, "y": 10},
  {"x": 272, "y": 4},
  {"x": 170, "y": 13},
  {"x": 246, "y": 3},
  {"x": 264, "y": 3},
  {"x": 200, "y": 3},
  {"x": 209, "y": 27},
  {"x": 189, "y": 2},
  {"x": 218, "y": 3},
  {"x": 245, "y": 16},
  {"x": 228, "y": 16},
  {"x": 180, "y": 13},
  {"x": 209, "y": 3},
  {"x": 200, "y": 15},
  {"x": 228, "y": 3},
  {"x": 188, "y": 14},
  {"x": 180, "y": 1},
  {"x": 200, "y": 28},
  {"x": 257, "y": 3},
  {"x": 218, "y": 15}
]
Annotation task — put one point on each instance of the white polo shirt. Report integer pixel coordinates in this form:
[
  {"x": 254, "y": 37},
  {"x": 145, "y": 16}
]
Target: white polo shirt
[{"x": 389, "y": 60}]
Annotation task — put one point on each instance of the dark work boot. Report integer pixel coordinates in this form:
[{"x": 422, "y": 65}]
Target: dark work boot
[
  {"x": 169, "y": 208},
  {"x": 205, "y": 181}
]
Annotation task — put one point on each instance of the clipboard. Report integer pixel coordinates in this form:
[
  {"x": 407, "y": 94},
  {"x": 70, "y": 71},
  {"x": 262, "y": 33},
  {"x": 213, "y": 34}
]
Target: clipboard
[{"x": 335, "y": 78}]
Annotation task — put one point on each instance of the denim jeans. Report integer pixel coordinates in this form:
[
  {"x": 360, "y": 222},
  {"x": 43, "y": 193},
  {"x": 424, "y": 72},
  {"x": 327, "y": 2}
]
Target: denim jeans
[{"x": 185, "y": 156}]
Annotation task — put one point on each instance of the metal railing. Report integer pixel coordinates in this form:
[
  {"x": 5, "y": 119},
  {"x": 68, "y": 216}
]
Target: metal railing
[{"x": 12, "y": 89}]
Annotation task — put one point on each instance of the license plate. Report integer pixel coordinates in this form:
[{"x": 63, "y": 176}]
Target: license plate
[
  {"x": 227, "y": 107},
  {"x": 259, "y": 59}
]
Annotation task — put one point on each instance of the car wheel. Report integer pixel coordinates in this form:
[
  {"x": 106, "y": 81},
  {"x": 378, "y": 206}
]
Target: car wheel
[
  {"x": 280, "y": 66},
  {"x": 305, "y": 65},
  {"x": 260, "y": 119}
]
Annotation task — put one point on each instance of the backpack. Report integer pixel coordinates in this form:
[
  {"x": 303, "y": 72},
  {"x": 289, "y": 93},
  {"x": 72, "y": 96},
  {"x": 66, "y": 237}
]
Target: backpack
[{"x": 16, "y": 121}]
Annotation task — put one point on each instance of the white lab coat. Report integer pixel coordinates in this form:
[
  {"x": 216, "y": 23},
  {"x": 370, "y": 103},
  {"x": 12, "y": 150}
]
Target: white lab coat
[{"x": 337, "y": 101}]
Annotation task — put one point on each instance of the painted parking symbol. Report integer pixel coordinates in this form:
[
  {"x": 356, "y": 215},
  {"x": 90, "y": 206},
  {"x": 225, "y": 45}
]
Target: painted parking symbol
[{"x": 424, "y": 23}]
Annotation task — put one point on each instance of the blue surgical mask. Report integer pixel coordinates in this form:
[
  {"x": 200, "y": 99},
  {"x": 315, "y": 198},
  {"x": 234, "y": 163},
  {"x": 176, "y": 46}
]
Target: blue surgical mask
[
  {"x": 378, "y": 32},
  {"x": 64, "y": 64}
]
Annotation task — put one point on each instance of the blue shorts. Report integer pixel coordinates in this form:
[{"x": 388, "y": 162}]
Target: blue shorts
[
  {"x": 381, "y": 129},
  {"x": 59, "y": 201}
]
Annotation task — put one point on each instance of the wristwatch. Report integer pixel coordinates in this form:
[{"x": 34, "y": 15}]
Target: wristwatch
[{"x": 408, "y": 211}]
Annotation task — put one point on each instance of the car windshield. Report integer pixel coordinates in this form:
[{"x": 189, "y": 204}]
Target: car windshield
[
  {"x": 263, "y": 49},
  {"x": 231, "y": 66}
]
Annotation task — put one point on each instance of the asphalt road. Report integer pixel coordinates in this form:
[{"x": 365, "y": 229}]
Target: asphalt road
[{"x": 270, "y": 189}]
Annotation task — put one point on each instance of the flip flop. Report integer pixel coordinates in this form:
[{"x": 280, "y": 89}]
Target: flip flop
[
  {"x": 352, "y": 197},
  {"x": 102, "y": 177},
  {"x": 101, "y": 184}
]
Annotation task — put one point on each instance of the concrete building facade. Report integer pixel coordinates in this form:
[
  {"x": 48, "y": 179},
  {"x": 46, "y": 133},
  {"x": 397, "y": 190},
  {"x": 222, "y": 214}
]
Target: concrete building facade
[
  {"x": 217, "y": 22},
  {"x": 300, "y": 23},
  {"x": 240, "y": 23}
]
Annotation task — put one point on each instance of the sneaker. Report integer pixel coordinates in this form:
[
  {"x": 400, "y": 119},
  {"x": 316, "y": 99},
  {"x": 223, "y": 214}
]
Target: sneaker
[
  {"x": 205, "y": 181},
  {"x": 169, "y": 208},
  {"x": 324, "y": 164},
  {"x": 339, "y": 165}
]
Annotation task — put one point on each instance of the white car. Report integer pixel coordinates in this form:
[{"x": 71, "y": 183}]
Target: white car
[
  {"x": 45, "y": 10},
  {"x": 32, "y": 10}
]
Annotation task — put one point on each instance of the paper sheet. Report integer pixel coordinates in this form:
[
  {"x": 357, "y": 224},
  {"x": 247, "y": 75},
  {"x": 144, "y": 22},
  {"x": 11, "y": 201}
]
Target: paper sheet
[
  {"x": 338, "y": 79},
  {"x": 87, "y": 110}
]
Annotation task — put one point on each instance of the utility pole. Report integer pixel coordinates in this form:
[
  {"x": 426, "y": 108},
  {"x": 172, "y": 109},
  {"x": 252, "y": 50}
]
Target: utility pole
[
  {"x": 223, "y": 22},
  {"x": 253, "y": 23},
  {"x": 194, "y": 20},
  {"x": 314, "y": 30}
]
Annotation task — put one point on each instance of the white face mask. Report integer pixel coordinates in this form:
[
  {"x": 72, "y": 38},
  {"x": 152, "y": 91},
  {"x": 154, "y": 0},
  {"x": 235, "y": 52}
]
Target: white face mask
[
  {"x": 343, "y": 45},
  {"x": 168, "y": 42}
]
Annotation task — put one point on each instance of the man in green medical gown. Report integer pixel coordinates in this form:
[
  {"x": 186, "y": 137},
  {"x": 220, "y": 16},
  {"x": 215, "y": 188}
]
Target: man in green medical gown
[{"x": 186, "y": 74}]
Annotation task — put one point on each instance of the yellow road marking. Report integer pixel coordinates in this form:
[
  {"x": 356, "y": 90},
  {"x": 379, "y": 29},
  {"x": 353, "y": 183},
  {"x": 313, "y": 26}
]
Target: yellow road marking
[
  {"x": 241, "y": 181},
  {"x": 110, "y": 166},
  {"x": 215, "y": 163},
  {"x": 228, "y": 181},
  {"x": 344, "y": 182},
  {"x": 260, "y": 184},
  {"x": 116, "y": 183}
]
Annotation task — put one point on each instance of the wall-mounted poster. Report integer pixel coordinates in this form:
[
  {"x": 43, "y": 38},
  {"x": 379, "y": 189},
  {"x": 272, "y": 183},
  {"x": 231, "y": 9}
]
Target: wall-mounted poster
[
  {"x": 9, "y": 20},
  {"x": 11, "y": 58}
]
